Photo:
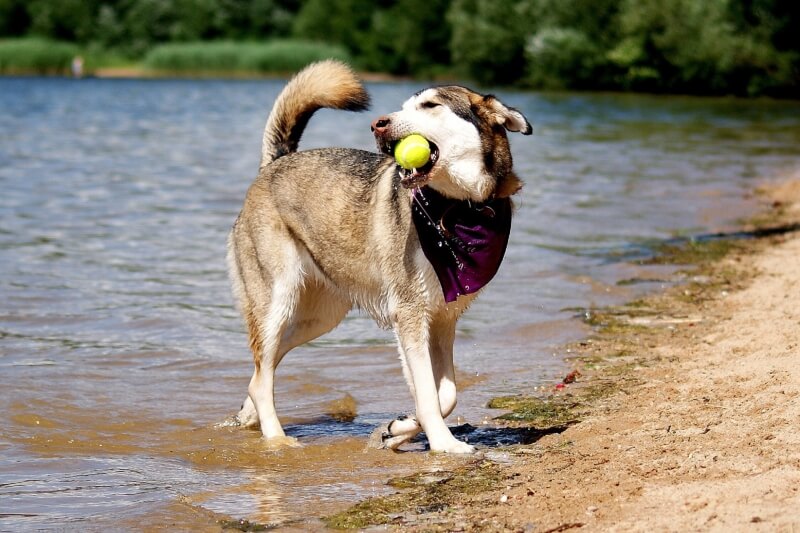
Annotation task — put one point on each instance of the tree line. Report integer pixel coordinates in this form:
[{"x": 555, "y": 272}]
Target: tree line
[{"x": 742, "y": 47}]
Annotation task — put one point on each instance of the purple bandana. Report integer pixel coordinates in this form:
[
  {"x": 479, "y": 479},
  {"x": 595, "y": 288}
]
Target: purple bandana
[{"x": 464, "y": 242}]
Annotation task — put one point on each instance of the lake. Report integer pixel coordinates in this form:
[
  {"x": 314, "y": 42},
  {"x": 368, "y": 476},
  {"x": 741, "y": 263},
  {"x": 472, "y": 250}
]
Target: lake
[{"x": 120, "y": 349}]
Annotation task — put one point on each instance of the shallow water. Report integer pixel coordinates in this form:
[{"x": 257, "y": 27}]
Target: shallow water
[{"x": 119, "y": 346}]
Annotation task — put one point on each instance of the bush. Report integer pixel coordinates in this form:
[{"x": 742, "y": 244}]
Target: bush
[
  {"x": 561, "y": 58},
  {"x": 39, "y": 56},
  {"x": 407, "y": 38},
  {"x": 488, "y": 39},
  {"x": 685, "y": 46},
  {"x": 230, "y": 56},
  {"x": 344, "y": 22},
  {"x": 65, "y": 20},
  {"x": 689, "y": 46}
]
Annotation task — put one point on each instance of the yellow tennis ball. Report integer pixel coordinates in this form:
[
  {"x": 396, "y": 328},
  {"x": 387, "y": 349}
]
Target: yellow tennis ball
[{"x": 412, "y": 152}]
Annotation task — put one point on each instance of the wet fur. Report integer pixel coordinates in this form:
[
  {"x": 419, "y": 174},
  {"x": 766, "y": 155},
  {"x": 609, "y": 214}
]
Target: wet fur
[{"x": 323, "y": 231}]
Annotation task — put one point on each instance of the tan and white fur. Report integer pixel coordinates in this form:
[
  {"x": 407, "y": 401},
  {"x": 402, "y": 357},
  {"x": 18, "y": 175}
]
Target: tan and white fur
[{"x": 326, "y": 230}]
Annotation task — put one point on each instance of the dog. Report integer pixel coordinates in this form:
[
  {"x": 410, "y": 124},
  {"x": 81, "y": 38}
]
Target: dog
[{"x": 325, "y": 230}]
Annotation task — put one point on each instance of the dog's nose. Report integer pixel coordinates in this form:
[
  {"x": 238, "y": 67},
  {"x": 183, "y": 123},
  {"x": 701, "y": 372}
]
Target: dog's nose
[{"x": 380, "y": 124}]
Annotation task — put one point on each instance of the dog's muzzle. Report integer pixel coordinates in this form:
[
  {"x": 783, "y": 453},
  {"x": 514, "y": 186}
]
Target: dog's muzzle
[{"x": 386, "y": 141}]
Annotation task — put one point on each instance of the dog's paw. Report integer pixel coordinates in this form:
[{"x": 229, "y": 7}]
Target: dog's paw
[
  {"x": 386, "y": 437},
  {"x": 281, "y": 442},
  {"x": 230, "y": 422},
  {"x": 247, "y": 417},
  {"x": 404, "y": 426},
  {"x": 382, "y": 439},
  {"x": 378, "y": 436},
  {"x": 237, "y": 421},
  {"x": 455, "y": 446}
]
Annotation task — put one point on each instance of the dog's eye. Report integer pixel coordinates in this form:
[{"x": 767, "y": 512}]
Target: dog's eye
[{"x": 429, "y": 105}]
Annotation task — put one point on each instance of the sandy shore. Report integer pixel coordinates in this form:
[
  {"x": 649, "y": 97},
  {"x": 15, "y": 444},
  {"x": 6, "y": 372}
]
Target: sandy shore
[{"x": 699, "y": 427}]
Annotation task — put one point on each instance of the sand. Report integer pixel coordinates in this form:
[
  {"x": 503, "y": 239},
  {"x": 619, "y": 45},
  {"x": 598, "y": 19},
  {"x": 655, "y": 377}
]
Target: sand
[{"x": 703, "y": 433}]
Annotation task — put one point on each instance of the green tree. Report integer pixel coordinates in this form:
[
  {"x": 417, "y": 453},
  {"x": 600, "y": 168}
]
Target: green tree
[
  {"x": 714, "y": 46},
  {"x": 345, "y": 22},
  {"x": 689, "y": 43},
  {"x": 560, "y": 58},
  {"x": 409, "y": 37},
  {"x": 147, "y": 22},
  {"x": 567, "y": 42},
  {"x": 597, "y": 19},
  {"x": 108, "y": 29},
  {"x": 14, "y": 18},
  {"x": 770, "y": 62},
  {"x": 488, "y": 39},
  {"x": 266, "y": 18},
  {"x": 195, "y": 20},
  {"x": 66, "y": 20},
  {"x": 697, "y": 46}
]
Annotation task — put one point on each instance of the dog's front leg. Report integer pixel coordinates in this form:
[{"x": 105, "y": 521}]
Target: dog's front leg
[
  {"x": 443, "y": 334},
  {"x": 413, "y": 335},
  {"x": 405, "y": 428}
]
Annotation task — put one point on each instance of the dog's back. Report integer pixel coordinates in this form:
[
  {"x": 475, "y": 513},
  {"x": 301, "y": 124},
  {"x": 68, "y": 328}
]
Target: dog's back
[{"x": 312, "y": 204}]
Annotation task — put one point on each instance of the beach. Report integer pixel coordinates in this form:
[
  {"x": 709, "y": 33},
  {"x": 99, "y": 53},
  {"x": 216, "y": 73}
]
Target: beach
[
  {"x": 696, "y": 426},
  {"x": 122, "y": 354}
]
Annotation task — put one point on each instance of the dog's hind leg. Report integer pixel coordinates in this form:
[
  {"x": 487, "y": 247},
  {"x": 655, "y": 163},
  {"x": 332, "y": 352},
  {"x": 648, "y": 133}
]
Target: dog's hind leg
[
  {"x": 244, "y": 275},
  {"x": 283, "y": 308},
  {"x": 267, "y": 277},
  {"x": 248, "y": 415},
  {"x": 317, "y": 312},
  {"x": 265, "y": 337},
  {"x": 309, "y": 312}
]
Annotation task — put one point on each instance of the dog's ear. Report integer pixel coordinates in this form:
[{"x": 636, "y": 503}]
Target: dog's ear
[{"x": 508, "y": 117}]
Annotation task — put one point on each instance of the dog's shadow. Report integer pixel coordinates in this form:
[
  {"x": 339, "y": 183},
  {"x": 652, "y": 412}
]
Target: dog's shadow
[
  {"x": 480, "y": 436},
  {"x": 496, "y": 437}
]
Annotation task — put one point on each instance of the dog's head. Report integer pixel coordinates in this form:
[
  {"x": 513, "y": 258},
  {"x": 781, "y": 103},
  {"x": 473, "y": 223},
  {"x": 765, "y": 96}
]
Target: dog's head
[{"x": 470, "y": 154}]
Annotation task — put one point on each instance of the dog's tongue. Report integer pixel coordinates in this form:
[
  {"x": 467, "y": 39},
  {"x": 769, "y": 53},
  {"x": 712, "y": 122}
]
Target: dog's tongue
[{"x": 412, "y": 178}]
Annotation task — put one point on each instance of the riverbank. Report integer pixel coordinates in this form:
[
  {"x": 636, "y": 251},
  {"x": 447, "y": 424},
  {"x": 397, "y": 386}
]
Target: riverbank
[
  {"x": 683, "y": 416},
  {"x": 135, "y": 72}
]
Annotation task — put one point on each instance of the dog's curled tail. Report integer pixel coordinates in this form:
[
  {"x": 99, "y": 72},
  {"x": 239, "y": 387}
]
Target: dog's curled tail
[{"x": 328, "y": 83}]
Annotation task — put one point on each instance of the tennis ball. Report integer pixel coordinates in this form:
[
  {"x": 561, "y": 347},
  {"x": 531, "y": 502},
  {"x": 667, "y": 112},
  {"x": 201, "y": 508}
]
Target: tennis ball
[{"x": 412, "y": 152}]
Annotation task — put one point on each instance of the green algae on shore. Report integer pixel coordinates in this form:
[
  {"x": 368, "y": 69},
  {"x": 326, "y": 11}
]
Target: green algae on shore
[
  {"x": 537, "y": 412},
  {"x": 421, "y": 496}
]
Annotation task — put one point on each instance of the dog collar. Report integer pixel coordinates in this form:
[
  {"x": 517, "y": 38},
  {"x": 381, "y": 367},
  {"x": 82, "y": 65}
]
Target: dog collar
[{"x": 465, "y": 242}]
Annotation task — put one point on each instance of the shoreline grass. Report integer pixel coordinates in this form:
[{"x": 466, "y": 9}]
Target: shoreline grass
[
  {"x": 233, "y": 57},
  {"x": 43, "y": 57},
  {"x": 33, "y": 55}
]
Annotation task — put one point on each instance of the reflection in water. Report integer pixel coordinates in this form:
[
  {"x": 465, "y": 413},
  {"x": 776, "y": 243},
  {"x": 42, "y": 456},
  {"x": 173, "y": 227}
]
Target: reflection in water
[{"x": 120, "y": 350}]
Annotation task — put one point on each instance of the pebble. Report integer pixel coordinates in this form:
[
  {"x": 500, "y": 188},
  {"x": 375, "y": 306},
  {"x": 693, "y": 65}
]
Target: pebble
[{"x": 498, "y": 457}]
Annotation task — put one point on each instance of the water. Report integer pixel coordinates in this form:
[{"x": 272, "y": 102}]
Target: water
[{"x": 119, "y": 346}]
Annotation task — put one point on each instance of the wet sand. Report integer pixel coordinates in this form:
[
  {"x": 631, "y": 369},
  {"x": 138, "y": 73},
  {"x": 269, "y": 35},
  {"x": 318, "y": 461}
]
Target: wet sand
[{"x": 701, "y": 430}]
